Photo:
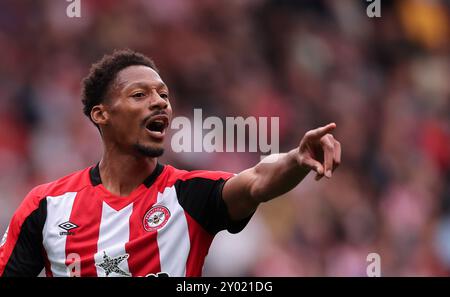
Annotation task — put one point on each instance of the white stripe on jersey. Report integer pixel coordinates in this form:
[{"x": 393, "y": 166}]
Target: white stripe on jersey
[
  {"x": 59, "y": 209},
  {"x": 173, "y": 257},
  {"x": 114, "y": 234}
]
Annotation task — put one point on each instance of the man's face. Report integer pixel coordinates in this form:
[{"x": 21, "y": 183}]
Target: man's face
[{"x": 139, "y": 111}]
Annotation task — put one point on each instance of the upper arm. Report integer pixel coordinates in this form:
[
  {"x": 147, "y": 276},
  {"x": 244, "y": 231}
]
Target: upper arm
[
  {"x": 21, "y": 251},
  {"x": 238, "y": 194}
]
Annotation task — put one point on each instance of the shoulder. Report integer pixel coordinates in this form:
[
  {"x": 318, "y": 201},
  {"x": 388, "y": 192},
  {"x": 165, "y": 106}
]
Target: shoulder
[
  {"x": 36, "y": 199},
  {"x": 174, "y": 174},
  {"x": 199, "y": 193},
  {"x": 73, "y": 182}
]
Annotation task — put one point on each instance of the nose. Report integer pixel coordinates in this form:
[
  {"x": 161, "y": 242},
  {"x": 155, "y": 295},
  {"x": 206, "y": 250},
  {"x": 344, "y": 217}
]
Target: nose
[{"x": 156, "y": 102}]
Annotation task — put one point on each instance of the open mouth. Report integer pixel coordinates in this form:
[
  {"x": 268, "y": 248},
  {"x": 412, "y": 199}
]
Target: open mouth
[{"x": 157, "y": 126}]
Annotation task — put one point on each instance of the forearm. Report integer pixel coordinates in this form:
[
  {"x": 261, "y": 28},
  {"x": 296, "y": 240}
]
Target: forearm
[
  {"x": 272, "y": 179},
  {"x": 318, "y": 151}
]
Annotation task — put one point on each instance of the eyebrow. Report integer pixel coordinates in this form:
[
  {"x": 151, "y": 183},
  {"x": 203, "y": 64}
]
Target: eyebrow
[{"x": 144, "y": 85}]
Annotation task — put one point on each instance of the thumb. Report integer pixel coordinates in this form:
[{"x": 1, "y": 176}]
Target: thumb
[{"x": 314, "y": 165}]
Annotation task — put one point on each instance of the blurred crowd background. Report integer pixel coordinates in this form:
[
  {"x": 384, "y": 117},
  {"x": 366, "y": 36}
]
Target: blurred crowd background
[{"x": 384, "y": 81}]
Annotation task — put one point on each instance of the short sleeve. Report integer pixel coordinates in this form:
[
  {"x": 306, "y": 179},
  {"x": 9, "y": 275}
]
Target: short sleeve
[
  {"x": 200, "y": 194},
  {"x": 21, "y": 247}
]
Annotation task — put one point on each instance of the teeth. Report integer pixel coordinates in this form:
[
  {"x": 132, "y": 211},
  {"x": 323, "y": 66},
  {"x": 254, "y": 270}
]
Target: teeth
[{"x": 157, "y": 126}]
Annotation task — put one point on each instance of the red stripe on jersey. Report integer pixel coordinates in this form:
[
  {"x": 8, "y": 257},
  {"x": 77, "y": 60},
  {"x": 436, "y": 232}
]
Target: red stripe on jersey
[
  {"x": 29, "y": 204},
  {"x": 213, "y": 175},
  {"x": 86, "y": 214},
  {"x": 171, "y": 175},
  {"x": 143, "y": 246},
  {"x": 200, "y": 243}
]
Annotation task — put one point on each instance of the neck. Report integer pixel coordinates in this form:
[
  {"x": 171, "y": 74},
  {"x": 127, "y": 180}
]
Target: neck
[{"x": 121, "y": 173}]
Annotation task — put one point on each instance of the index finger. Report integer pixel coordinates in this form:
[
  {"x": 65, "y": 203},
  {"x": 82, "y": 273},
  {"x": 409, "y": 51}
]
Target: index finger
[{"x": 321, "y": 131}]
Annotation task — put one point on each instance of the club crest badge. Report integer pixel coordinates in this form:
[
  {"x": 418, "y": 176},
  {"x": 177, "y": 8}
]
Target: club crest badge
[{"x": 156, "y": 218}]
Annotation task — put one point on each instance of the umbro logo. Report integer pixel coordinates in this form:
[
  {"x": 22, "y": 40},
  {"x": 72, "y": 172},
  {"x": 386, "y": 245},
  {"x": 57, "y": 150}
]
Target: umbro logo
[{"x": 67, "y": 226}]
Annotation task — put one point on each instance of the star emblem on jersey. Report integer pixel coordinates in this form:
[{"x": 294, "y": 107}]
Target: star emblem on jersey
[
  {"x": 156, "y": 218},
  {"x": 110, "y": 265}
]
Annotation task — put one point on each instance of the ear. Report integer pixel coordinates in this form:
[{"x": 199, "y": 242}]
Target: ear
[{"x": 99, "y": 115}]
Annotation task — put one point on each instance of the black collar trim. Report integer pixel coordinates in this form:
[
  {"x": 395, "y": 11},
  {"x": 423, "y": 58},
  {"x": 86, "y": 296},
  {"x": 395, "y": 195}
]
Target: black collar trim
[{"x": 96, "y": 180}]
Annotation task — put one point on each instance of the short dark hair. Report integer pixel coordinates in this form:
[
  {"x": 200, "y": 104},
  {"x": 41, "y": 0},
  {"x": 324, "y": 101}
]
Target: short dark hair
[{"x": 103, "y": 73}]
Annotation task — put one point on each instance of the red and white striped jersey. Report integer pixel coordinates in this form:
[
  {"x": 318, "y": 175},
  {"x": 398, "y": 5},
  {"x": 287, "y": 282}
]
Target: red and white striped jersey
[{"x": 75, "y": 226}]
